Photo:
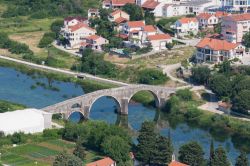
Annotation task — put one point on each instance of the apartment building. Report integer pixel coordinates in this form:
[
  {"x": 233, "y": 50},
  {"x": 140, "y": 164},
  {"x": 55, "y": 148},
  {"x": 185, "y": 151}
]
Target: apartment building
[
  {"x": 235, "y": 26},
  {"x": 185, "y": 26}
]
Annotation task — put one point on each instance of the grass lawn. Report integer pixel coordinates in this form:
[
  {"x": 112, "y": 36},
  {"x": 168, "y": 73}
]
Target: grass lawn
[
  {"x": 6, "y": 106},
  {"x": 43, "y": 153}
]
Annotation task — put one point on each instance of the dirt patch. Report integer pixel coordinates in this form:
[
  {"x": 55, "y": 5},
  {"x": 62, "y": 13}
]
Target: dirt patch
[{"x": 115, "y": 59}]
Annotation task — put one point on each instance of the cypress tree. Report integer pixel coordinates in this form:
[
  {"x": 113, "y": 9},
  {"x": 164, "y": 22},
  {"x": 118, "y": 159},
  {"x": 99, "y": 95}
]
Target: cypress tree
[
  {"x": 146, "y": 143},
  {"x": 242, "y": 160},
  {"x": 162, "y": 152},
  {"x": 220, "y": 157}
]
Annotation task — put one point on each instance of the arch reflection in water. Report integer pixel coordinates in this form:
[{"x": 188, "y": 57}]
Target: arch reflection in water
[{"x": 76, "y": 117}]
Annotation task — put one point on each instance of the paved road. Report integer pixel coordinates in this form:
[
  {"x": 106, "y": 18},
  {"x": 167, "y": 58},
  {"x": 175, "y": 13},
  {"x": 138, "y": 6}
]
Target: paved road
[
  {"x": 189, "y": 42},
  {"x": 88, "y": 76}
]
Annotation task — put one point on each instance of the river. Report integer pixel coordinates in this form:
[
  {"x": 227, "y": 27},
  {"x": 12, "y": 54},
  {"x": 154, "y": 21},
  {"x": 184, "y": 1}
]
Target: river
[{"x": 33, "y": 91}]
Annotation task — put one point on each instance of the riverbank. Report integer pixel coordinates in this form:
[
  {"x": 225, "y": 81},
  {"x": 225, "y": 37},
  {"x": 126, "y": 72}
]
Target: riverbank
[{"x": 6, "y": 106}]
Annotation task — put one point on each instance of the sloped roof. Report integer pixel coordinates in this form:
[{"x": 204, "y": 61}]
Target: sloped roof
[
  {"x": 186, "y": 20},
  {"x": 216, "y": 44},
  {"x": 176, "y": 163},
  {"x": 120, "y": 20},
  {"x": 220, "y": 14},
  {"x": 150, "y": 4},
  {"x": 204, "y": 16},
  {"x": 103, "y": 162},
  {"x": 121, "y": 2},
  {"x": 116, "y": 12},
  {"x": 79, "y": 18},
  {"x": 136, "y": 23},
  {"x": 149, "y": 28},
  {"x": 159, "y": 37},
  {"x": 238, "y": 17},
  {"x": 79, "y": 26},
  {"x": 93, "y": 37}
]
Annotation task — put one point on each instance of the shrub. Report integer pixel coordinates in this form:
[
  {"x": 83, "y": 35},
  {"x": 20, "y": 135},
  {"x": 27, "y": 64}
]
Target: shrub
[
  {"x": 47, "y": 39},
  {"x": 184, "y": 94},
  {"x": 18, "y": 138},
  {"x": 151, "y": 76},
  {"x": 51, "y": 133}
]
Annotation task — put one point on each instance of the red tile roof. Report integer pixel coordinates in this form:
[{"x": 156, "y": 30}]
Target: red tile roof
[
  {"x": 150, "y": 4},
  {"x": 186, "y": 20},
  {"x": 216, "y": 44},
  {"x": 120, "y": 20},
  {"x": 204, "y": 16},
  {"x": 79, "y": 26},
  {"x": 93, "y": 37},
  {"x": 149, "y": 28},
  {"x": 92, "y": 10},
  {"x": 159, "y": 37},
  {"x": 136, "y": 24},
  {"x": 79, "y": 18},
  {"x": 123, "y": 36},
  {"x": 220, "y": 14},
  {"x": 121, "y": 2},
  {"x": 238, "y": 17},
  {"x": 116, "y": 12},
  {"x": 104, "y": 162},
  {"x": 176, "y": 163}
]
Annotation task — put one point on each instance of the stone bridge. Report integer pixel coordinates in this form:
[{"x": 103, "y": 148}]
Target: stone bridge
[{"x": 121, "y": 95}]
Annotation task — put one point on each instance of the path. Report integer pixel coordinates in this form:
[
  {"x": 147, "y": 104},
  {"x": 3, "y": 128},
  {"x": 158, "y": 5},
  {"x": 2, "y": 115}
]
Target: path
[
  {"x": 189, "y": 42},
  {"x": 64, "y": 71}
]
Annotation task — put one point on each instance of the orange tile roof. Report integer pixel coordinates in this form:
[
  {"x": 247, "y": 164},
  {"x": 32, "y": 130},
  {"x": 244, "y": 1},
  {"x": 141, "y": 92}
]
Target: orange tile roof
[
  {"x": 216, "y": 44},
  {"x": 150, "y": 4},
  {"x": 176, "y": 163},
  {"x": 103, "y": 162},
  {"x": 186, "y": 20},
  {"x": 121, "y": 2},
  {"x": 79, "y": 26},
  {"x": 238, "y": 17},
  {"x": 116, "y": 12},
  {"x": 149, "y": 28},
  {"x": 120, "y": 20},
  {"x": 159, "y": 37},
  {"x": 93, "y": 37},
  {"x": 220, "y": 14},
  {"x": 79, "y": 18},
  {"x": 204, "y": 16},
  {"x": 136, "y": 23}
]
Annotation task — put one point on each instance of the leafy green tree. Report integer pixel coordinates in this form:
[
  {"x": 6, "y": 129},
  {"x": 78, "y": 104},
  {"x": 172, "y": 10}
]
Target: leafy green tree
[
  {"x": 192, "y": 154},
  {"x": 184, "y": 94},
  {"x": 135, "y": 11},
  {"x": 217, "y": 28},
  {"x": 221, "y": 85},
  {"x": 169, "y": 46},
  {"x": 146, "y": 143},
  {"x": 56, "y": 26},
  {"x": 225, "y": 67},
  {"x": 65, "y": 159},
  {"x": 117, "y": 148},
  {"x": 18, "y": 138},
  {"x": 220, "y": 157},
  {"x": 242, "y": 160},
  {"x": 149, "y": 18},
  {"x": 79, "y": 151},
  {"x": 246, "y": 39},
  {"x": 151, "y": 76},
  {"x": 241, "y": 102},
  {"x": 47, "y": 39},
  {"x": 201, "y": 74},
  {"x": 211, "y": 155},
  {"x": 163, "y": 151}
]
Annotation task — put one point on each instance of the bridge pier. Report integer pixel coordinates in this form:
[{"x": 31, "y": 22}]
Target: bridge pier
[{"x": 124, "y": 106}]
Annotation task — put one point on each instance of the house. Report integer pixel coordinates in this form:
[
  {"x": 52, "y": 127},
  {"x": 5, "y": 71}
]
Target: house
[
  {"x": 119, "y": 17},
  {"x": 93, "y": 13},
  {"x": 147, "y": 30},
  {"x": 224, "y": 107},
  {"x": 220, "y": 14},
  {"x": 235, "y": 26},
  {"x": 132, "y": 28},
  {"x": 103, "y": 162},
  {"x": 236, "y": 5},
  {"x": 75, "y": 34},
  {"x": 207, "y": 20},
  {"x": 159, "y": 41},
  {"x": 95, "y": 42},
  {"x": 107, "y": 4},
  {"x": 154, "y": 6},
  {"x": 217, "y": 50},
  {"x": 185, "y": 26},
  {"x": 71, "y": 21},
  {"x": 176, "y": 163}
]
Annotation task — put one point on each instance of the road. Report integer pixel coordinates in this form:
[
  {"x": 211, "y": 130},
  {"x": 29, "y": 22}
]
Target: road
[
  {"x": 189, "y": 42},
  {"x": 64, "y": 71}
]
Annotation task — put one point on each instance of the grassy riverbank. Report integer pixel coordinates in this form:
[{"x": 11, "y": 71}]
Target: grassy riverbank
[{"x": 6, "y": 106}]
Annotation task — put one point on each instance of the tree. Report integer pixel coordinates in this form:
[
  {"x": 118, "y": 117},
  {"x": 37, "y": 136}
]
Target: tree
[
  {"x": 192, "y": 154},
  {"x": 241, "y": 102},
  {"x": 146, "y": 143},
  {"x": 149, "y": 18},
  {"x": 184, "y": 94},
  {"x": 211, "y": 155},
  {"x": 242, "y": 160},
  {"x": 163, "y": 151},
  {"x": 246, "y": 39},
  {"x": 201, "y": 74},
  {"x": 225, "y": 67},
  {"x": 221, "y": 85},
  {"x": 56, "y": 26},
  {"x": 151, "y": 76},
  {"x": 169, "y": 46},
  {"x": 65, "y": 159},
  {"x": 134, "y": 11},
  {"x": 79, "y": 151},
  {"x": 220, "y": 158},
  {"x": 18, "y": 138},
  {"x": 117, "y": 148}
]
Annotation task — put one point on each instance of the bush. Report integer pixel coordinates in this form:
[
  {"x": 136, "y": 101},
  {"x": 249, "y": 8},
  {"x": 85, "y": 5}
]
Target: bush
[
  {"x": 47, "y": 39},
  {"x": 201, "y": 74},
  {"x": 151, "y": 77},
  {"x": 51, "y": 133},
  {"x": 184, "y": 94},
  {"x": 18, "y": 138}
]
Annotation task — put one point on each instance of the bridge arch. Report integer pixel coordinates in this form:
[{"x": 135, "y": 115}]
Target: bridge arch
[
  {"x": 76, "y": 105},
  {"x": 156, "y": 98},
  {"x": 118, "y": 103},
  {"x": 81, "y": 116}
]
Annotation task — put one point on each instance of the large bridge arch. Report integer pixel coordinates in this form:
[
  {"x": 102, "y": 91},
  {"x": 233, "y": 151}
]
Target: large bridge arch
[{"x": 81, "y": 114}]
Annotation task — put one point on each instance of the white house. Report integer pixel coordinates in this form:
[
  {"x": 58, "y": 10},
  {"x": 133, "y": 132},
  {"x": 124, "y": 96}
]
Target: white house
[
  {"x": 93, "y": 13},
  {"x": 119, "y": 17},
  {"x": 159, "y": 41},
  {"x": 103, "y": 162},
  {"x": 71, "y": 21},
  {"x": 218, "y": 50},
  {"x": 185, "y": 26},
  {"x": 26, "y": 121},
  {"x": 132, "y": 28},
  {"x": 75, "y": 34},
  {"x": 108, "y": 4},
  {"x": 207, "y": 20},
  {"x": 154, "y": 6},
  {"x": 95, "y": 42}
]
